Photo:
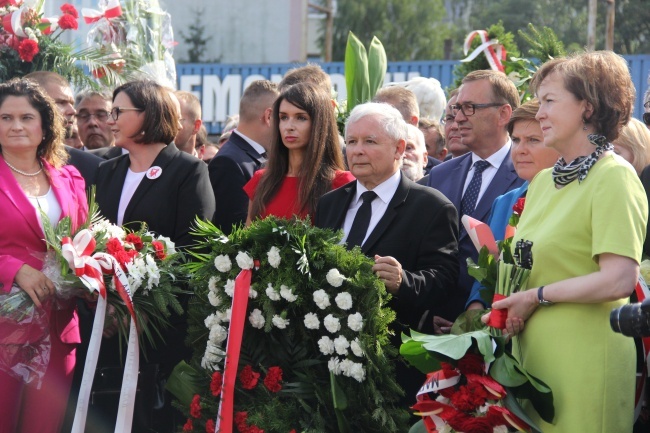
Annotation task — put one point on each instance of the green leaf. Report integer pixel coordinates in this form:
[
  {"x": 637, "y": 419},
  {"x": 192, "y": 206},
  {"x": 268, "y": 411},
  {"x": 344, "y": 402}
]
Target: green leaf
[
  {"x": 419, "y": 357},
  {"x": 503, "y": 371},
  {"x": 469, "y": 321},
  {"x": 185, "y": 381},
  {"x": 377, "y": 65},
  {"x": 418, "y": 427},
  {"x": 340, "y": 404},
  {"x": 511, "y": 403},
  {"x": 356, "y": 72}
]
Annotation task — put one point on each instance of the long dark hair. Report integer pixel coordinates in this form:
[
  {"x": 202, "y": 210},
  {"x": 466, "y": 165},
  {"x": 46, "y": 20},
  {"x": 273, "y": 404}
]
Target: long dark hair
[{"x": 322, "y": 158}]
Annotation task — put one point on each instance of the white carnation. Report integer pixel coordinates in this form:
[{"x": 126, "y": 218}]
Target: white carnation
[
  {"x": 244, "y": 261},
  {"x": 279, "y": 322},
  {"x": 136, "y": 272},
  {"x": 211, "y": 321},
  {"x": 214, "y": 299},
  {"x": 229, "y": 288},
  {"x": 252, "y": 293},
  {"x": 257, "y": 319},
  {"x": 357, "y": 372},
  {"x": 356, "y": 347},
  {"x": 335, "y": 278},
  {"x": 346, "y": 367},
  {"x": 227, "y": 315},
  {"x": 272, "y": 293},
  {"x": 274, "y": 257},
  {"x": 322, "y": 299},
  {"x": 170, "y": 247},
  {"x": 343, "y": 301},
  {"x": 332, "y": 324},
  {"x": 287, "y": 294},
  {"x": 311, "y": 321},
  {"x": 341, "y": 345},
  {"x": 499, "y": 429},
  {"x": 212, "y": 357},
  {"x": 153, "y": 272},
  {"x": 212, "y": 284},
  {"x": 355, "y": 322},
  {"x": 222, "y": 263},
  {"x": 218, "y": 334},
  {"x": 333, "y": 365},
  {"x": 326, "y": 345}
]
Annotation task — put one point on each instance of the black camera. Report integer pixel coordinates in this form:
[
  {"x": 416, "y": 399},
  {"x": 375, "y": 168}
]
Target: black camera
[{"x": 632, "y": 320}]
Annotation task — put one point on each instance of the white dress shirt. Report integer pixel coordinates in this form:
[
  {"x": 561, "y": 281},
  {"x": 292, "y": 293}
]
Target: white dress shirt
[{"x": 495, "y": 160}]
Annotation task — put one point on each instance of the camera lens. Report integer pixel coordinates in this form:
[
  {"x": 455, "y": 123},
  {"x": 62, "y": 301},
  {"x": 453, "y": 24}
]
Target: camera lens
[{"x": 630, "y": 320}]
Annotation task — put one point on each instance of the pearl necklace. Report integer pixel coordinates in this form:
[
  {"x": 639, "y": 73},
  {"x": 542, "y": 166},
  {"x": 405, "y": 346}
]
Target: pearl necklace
[{"x": 25, "y": 173}]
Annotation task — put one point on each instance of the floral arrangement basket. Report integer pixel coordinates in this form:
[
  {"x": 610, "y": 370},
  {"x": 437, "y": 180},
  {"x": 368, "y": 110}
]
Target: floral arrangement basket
[{"x": 314, "y": 353}]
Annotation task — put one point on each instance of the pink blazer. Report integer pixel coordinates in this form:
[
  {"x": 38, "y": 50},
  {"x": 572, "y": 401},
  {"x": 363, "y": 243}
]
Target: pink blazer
[{"x": 22, "y": 238}]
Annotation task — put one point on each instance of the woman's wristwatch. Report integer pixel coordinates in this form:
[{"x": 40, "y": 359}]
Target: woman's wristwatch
[{"x": 540, "y": 297}]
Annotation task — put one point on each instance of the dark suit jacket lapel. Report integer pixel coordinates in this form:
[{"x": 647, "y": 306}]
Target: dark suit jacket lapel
[
  {"x": 239, "y": 141},
  {"x": 162, "y": 160},
  {"x": 113, "y": 193},
  {"x": 458, "y": 176},
  {"x": 391, "y": 212},
  {"x": 9, "y": 186}
]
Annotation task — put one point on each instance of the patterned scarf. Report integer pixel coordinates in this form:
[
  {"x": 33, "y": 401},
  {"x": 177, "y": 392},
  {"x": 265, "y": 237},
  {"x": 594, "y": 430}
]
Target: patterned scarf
[{"x": 564, "y": 174}]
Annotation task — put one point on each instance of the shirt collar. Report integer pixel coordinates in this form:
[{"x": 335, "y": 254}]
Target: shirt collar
[
  {"x": 385, "y": 190},
  {"x": 497, "y": 158},
  {"x": 254, "y": 144}
]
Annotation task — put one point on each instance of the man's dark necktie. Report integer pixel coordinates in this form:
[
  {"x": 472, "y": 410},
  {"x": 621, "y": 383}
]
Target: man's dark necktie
[
  {"x": 468, "y": 203},
  {"x": 361, "y": 220}
]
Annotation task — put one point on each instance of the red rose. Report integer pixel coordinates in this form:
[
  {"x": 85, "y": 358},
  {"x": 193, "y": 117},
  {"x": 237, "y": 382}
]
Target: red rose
[
  {"x": 135, "y": 240},
  {"x": 248, "y": 377},
  {"x": 159, "y": 247},
  {"x": 67, "y": 22},
  {"x": 471, "y": 363},
  {"x": 27, "y": 50},
  {"x": 215, "y": 383},
  {"x": 113, "y": 246},
  {"x": 69, "y": 9},
  {"x": 518, "y": 208},
  {"x": 476, "y": 425},
  {"x": 195, "y": 407},
  {"x": 209, "y": 426},
  {"x": 273, "y": 379},
  {"x": 189, "y": 426}
]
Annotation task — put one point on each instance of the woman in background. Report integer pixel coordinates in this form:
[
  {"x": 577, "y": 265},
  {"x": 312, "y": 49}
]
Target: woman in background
[
  {"x": 305, "y": 159},
  {"x": 633, "y": 144}
]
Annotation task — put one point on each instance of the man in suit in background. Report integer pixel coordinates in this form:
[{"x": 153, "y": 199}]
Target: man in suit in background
[
  {"x": 93, "y": 108},
  {"x": 191, "y": 119},
  {"x": 409, "y": 230},
  {"x": 482, "y": 111},
  {"x": 242, "y": 154},
  {"x": 59, "y": 90}
]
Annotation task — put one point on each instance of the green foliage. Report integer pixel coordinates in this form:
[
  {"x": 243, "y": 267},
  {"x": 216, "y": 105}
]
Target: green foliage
[
  {"x": 311, "y": 399},
  {"x": 196, "y": 37},
  {"x": 544, "y": 45}
]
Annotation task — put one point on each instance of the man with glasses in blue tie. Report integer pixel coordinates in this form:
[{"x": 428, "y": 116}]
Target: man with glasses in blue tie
[{"x": 482, "y": 110}]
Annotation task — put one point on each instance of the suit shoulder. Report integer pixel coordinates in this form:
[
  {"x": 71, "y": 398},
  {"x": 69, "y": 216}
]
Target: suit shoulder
[
  {"x": 428, "y": 193},
  {"x": 79, "y": 156}
]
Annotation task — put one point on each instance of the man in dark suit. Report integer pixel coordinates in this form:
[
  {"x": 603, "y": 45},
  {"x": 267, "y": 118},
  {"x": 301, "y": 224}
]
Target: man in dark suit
[
  {"x": 472, "y": 181},
  {"x": 410, "y": 231},
  {"x": 242, "y": 154},
  {"x": 59, "y": 90}
]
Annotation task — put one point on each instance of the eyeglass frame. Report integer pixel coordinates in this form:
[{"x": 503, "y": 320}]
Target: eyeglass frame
[
  {"x": 459, "y": 107},
  {"x": 118, "y": 110},
  {"x": 85, "y": 117},
  {"x": 646, "y": 119}
]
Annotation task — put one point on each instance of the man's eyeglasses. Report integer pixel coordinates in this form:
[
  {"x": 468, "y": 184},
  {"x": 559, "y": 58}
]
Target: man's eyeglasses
[
  {"x": 115, "y": 112},
  {"x": 646, "y": 119},
  {"x": 102, "y": 116},
  {"x": 470, "y": 109}
]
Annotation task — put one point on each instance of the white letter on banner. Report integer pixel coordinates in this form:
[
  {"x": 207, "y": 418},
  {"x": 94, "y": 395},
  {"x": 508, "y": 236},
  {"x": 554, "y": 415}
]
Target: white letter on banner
[
  {"x": 220, "y": 98},
  {"x": 188, "y": 82}
]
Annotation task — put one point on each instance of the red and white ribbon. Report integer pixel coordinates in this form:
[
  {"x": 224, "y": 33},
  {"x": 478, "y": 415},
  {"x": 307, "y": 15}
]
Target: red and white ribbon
[
  {"x": 13, "y": 22},
  {"x": 438, "y": 380},
  {"x": 49, "y": 25},
  {"x": 494, "y": 51},
  {"x": 87, "y": 267},
  {"x": 112, "y": 10}
]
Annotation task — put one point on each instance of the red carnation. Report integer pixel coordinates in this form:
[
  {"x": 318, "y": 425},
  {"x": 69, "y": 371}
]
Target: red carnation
[
  {"x": 67, "y": 22},
  {"x": 469, "y": 397},
  {"x": 248, "y": 377},
  {"x": 209, "y": 426},
  {"x": 255, "y": 429},
  {"x": 113, "y": 246},
  {"x": 471, "y": 363},
  {"x": 518, "y": 208},
  {"x": 27, "y": 50},
  {"x": 215, "y": 383},
  {"x": 160, "y": 249},
  {"x": 240, "y": 421},
  {"x": 69, "y": 9},
  {"x": 195, "y": 407},
  {"x": 476, "y": 425},
  {"x": 189, "y": 426},
  {"x": 273, "y": 379},
  {"x": 135, "y": 240}
]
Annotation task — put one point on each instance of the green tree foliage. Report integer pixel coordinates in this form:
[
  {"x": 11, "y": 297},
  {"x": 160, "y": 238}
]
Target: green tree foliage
[
  {"x": 196, "y": 38},
  {"x": 409, "y": 30}
]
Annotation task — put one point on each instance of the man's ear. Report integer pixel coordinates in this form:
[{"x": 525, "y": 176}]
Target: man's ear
[
  {"x": 400, "y": 148},
  {"x": 443, "y": 154},
  {"x": 267, "y": 116},
  {"x": 505, "y": 112},
  {"x": 197, "y": 126}
]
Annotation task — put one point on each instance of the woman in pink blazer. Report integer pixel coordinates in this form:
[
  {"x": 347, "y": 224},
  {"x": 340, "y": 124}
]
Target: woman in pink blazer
[{"x": 33, "y": 179}]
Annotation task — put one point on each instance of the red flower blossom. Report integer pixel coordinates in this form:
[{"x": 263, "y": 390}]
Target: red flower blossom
[
  {"x": 67, "y": 22},
  {"x": 240, "y": 421},
  {"x": 479, "y": 424},
  {"x": 125, "y": 257},
  {"x": 248, "y": 377},
  {"x": 69, "y": 9},
  {"x": 471, "y": 363},
  {"x": 215, "y": 383},
  {"x": 160, "y": 249},
  {"x": 209, "y": 426},
  {"x": 189, "y": 426},
  {"x": 135, "y": 240},
  {"x": 113, "y": 246},
  {"x": 518, "y": 208},
  {"x": 273, "y": 379},
  {"x": 469, "y": 397},
  {"x": 491, "y": 386},
  {"x": 195, "y": 407},
  {"x": 502, "y": 416},
  {"x": 255, "y": 429},
  {"x": 27, "y": 50}
]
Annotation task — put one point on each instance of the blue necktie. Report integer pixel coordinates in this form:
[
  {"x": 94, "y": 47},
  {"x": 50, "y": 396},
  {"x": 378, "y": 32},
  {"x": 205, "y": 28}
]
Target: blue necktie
[
  {"x": 468, "y": 203},
  {"x": 361, "y": 220}
]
